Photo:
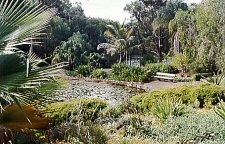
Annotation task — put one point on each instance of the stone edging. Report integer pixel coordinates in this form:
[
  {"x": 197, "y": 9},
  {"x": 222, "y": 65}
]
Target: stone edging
[{"x": 137, "y": 85}]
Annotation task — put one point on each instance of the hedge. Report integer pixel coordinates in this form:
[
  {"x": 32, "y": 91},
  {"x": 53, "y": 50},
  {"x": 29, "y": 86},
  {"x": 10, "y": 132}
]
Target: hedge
[{"x": 204, "y": 95}]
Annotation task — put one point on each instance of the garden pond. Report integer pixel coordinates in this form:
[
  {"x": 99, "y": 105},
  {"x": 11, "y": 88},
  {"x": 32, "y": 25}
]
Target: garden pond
[{"x": 110, "y": 93}]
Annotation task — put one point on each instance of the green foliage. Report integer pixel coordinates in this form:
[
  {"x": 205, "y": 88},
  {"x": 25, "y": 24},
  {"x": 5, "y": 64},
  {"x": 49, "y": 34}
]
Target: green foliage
[
  {"x": 86, "y": 133},
  {"x": 51, "y": 86},
  {"x": 136, "y": 140},
  {"x": 118, "y": 68},
  {"x": 71, "y": 19},
  {"x": 131, "y": 124},
  {"x": 87, "y": 71},
  {"x": 160, "y": 67},
  {"x": 149, "y": 58},
  {"x": 191, "y": 128},
  {"x": 152, "y": 28},
  {"x": 180, "y": 61},
  {"x": 99, "y": 73},
  {"x": 196, "y": 95},
  {"x": 20, "y": 76},
  {"x": 71, "y": 73},
  {"x": 194, "y": 128},
  {"x": 86, "y": 109},
  {"x": 74, "y": 50},
  {"x": 199, "y": 76},
  {"x": 201, "y": 35},
  {"x": 84, "y": 70},
  {"x": 217, "y": 80},
  {"x": 169, "y": 107},
  {"x": 19, "y": 22},
  {"x": 220, "y": 110},
  {"x": 128, "y": 73},
  {"x": 112, "y": 112},
  {"x": 60, "y": 31},
  {"x": 119, "y": 109},
  {"x": 96, "y": 60},
  {"x": 120, "y": 37},
  {"x": 183, "y": 79}
]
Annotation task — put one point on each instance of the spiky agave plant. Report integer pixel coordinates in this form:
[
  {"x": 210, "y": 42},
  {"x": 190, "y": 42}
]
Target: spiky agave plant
[
  {"x": 216, "y": 80},
  {"x": 21, "y": 21},
  {"x": 220, "y": 110}
]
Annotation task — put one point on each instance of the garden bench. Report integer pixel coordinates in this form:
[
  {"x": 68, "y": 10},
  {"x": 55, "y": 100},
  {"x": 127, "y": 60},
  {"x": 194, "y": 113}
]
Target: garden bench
[{"x": 167, "y": 76}]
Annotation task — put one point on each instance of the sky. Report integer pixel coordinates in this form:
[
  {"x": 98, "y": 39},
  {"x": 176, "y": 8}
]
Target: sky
[{"x": 109, "y": 9}]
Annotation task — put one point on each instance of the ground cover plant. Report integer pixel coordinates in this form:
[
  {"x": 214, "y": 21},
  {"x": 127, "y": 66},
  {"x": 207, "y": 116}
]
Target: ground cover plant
[{"x": 195, "y": 128}]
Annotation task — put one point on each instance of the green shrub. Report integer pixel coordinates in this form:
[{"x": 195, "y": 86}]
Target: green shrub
[
  {"x": 79, "y": 133},
  {"x": 112, "y": 112},
  {"x": 139, "y": 74},
  {"x": 199, "y": 76},
  {"x": 160, "y": 67},
  {"x": 195, "y": 128},
  {"x": 52, "y": 86},
  {"x": 81, "y": 71},
  {"x": 180, "y": 61},
  {"x": 216, "y": 80},
  {"x": 72, "y": 73},
  {"x": 99, "y": 73},
  {"x": 208, "y": 95},
  {"x": 96, "y": 60},
  {"x": 149, "y": 58},
  {"x": 183, "y": 79},
  {"x": 128, "y": 73},
  {"x": 86, "y": 133},
  {"x": 86, "y": 109},
  {"x": 131, "y": 125},
  {"x": 136, "y": 140},
  {"x": 84, "y": 70},
  {"x": 118, "y": 68},
  {"x": 117, "y": 110},
  {"x": 205, "y": 95},
  {"x": 146, "y": 101},
  {"x": 170, "y": 107},
  {"x": 220, "y": 110}
]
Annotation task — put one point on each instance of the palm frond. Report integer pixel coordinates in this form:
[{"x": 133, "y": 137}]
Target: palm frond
[
  {"x": 21, "y": 20},
  {"x": 14, "y": 83},
  {"x": 109, "y": 48},
  {"x": 129, "y": 33},
  {"x": 112, "y": 30}
]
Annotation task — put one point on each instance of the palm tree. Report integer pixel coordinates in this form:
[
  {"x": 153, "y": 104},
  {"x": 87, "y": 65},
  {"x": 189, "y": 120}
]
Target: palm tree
[
  {"x": 20, "y": 23},
  {"x": 119, "y": 36}
]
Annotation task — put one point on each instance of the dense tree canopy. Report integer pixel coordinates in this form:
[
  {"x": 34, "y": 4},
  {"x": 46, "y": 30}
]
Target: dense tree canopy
[
  {"x": 152, "y": 18},
  {"x": 201, "y": 34},
  {"x": 158, "y": 28}
]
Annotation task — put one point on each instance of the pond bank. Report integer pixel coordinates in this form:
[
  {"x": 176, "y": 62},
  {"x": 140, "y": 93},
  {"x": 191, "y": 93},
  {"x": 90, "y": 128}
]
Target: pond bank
[{"x": 137, "y": 85}]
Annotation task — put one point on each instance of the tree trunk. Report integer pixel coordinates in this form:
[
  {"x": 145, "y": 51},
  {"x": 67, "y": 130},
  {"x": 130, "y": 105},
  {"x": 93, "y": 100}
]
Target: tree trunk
[
  {"x": 129, "y": 60},
  {"x": 120, "y": 56},
  {"x": 176, "y": 43},
  {"x": 159, "y": 46},
  {"x": 126, "y": 56}
]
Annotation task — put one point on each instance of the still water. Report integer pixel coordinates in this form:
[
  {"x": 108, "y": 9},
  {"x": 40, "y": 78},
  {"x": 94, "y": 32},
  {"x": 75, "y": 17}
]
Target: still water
[{"x": 109, "y": 93}]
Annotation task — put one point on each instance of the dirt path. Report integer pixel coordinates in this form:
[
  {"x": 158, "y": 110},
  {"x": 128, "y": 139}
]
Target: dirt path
[{"x": 162, "y": 84}]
